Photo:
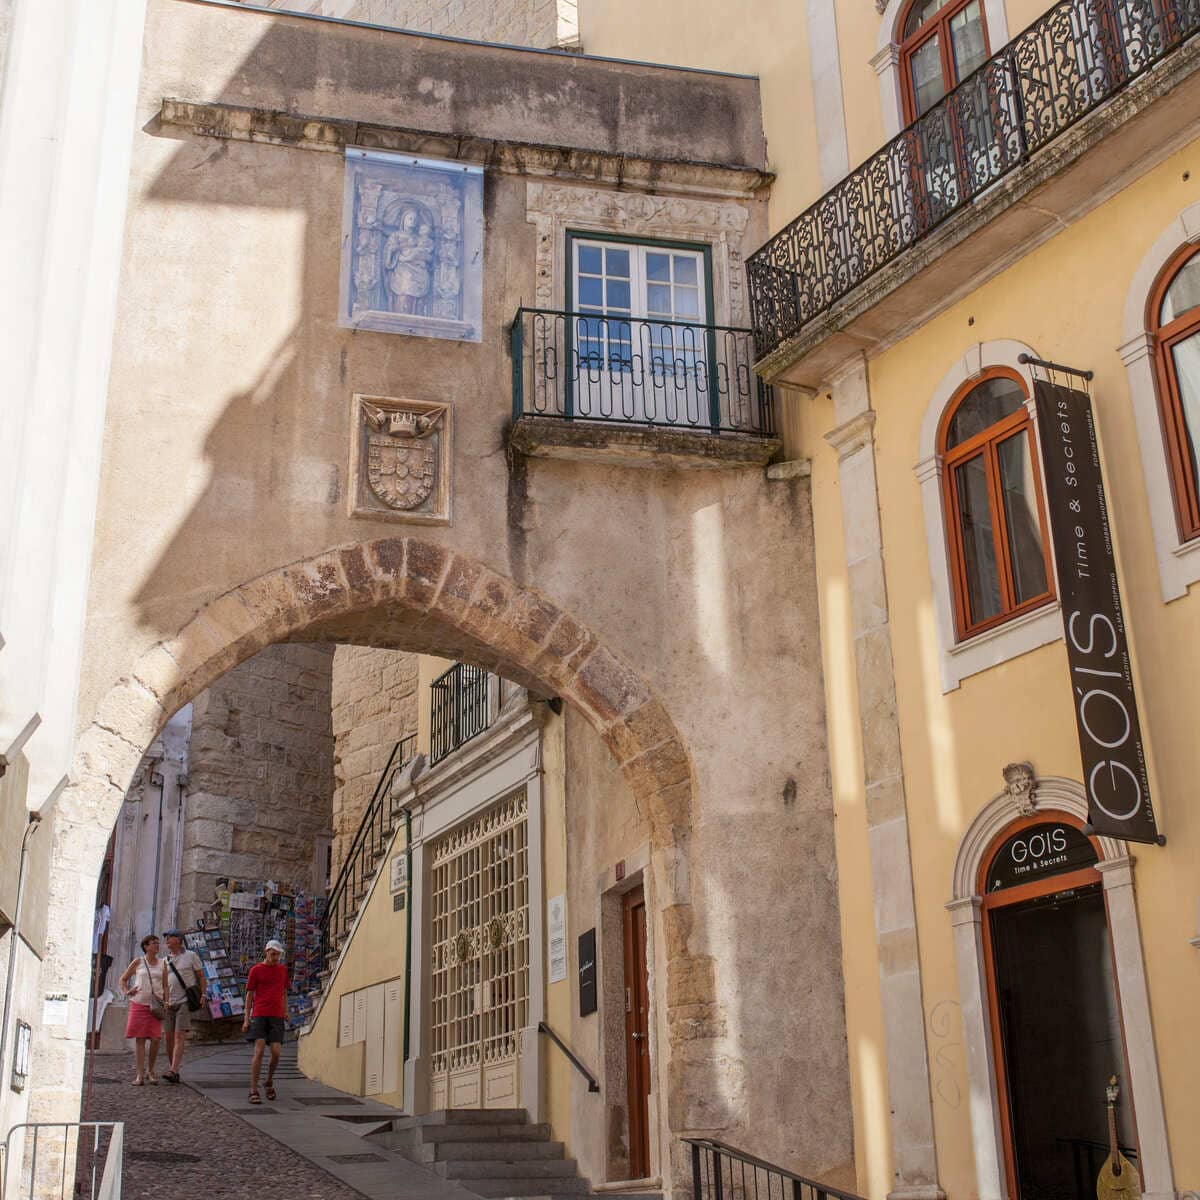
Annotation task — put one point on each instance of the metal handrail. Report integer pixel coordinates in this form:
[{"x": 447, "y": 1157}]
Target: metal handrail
[
  {"x": 75, "y": 1165},
  {"x": 721, "y": 1181},
  {"x": 1063, "y": 66},
  {"x": 371, "y": 837},
  {"x": 593, "y": 1086},
  {"x": 644, "y": 372}
]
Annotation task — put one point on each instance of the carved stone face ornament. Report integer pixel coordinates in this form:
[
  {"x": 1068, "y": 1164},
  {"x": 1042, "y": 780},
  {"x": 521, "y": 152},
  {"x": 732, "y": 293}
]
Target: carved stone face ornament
[{"x": 1019, "y": 782}]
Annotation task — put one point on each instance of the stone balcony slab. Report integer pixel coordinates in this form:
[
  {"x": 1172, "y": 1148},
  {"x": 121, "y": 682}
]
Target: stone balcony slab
[{"x": 656, "y": 447}]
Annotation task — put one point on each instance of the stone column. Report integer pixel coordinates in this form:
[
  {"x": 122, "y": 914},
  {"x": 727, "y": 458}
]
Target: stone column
[
  {"x": 966, "y": 916},
  {"x": 1145, "y": 1086},
  {"x": 914, "y": 1159}
]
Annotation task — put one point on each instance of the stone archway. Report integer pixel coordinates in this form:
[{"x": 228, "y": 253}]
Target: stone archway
[{"x": 390, "y": 591}]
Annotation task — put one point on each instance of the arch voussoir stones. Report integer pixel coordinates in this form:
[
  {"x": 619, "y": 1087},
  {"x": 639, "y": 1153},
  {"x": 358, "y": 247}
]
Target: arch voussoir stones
[{"x": 410, "y": 583}]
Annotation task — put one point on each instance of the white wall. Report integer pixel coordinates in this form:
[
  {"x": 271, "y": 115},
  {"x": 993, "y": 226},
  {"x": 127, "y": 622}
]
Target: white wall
[{"x": 68, "y": 80}]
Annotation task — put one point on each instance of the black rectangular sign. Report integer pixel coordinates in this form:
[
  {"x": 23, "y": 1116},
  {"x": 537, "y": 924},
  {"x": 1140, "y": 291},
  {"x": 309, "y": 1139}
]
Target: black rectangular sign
[
  {"x": 1106, "y": 715},
  {"x": 587, "y": 973}
]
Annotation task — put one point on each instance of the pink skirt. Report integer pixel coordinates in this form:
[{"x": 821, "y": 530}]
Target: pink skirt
[{"x": 142, "y": 1023}]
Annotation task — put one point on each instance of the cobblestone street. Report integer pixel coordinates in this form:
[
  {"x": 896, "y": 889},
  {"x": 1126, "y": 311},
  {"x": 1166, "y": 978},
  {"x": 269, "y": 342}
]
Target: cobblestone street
[{"x": 178, "y": 1142}]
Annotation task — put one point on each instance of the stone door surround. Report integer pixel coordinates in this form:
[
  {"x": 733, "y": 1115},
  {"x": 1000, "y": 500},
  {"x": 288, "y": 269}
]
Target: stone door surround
[{"x": 433, "y": 600}]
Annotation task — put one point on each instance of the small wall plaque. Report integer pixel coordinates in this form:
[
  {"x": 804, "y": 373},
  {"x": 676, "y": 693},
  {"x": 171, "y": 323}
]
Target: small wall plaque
[
  {"x": 556, "y": 937},
  {"x": 398, "y": 877},
  {"x": 398, "y": 901},
  {"x": 587, "y": 973},
  {"x": 400, "y": 459}
]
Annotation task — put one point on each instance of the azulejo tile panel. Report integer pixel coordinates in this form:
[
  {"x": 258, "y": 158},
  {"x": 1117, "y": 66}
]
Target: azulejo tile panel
[{"x": 412, "y": 246}]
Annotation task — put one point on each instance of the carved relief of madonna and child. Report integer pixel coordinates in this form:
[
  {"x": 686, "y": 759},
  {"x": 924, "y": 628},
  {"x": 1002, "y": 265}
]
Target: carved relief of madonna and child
[{"x": 412, "y": 259}]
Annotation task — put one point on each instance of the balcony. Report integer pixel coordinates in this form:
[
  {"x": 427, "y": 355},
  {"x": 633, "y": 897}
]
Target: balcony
[
  {"x": 639, "y": 392},
  {"x": 463, "y": 702},
  {"x": 882, "y": 247}
]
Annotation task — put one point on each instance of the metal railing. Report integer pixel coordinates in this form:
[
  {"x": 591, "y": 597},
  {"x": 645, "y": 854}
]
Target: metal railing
[
  {"x": 593, "y": 1085},
  {"x": 460, "y": 708},
  {"x": 1065, "y": 65},
  {"x": 62, "y": 1160},
  {"x": 370, "y": 841},
  {"x": 719, "y": 1172},
  {"x": 637, "y": 372}
]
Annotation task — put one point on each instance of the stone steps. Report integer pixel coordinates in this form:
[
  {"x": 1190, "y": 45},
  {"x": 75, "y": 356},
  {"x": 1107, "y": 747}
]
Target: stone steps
[
  {"x": 466, "y": 1169},
  {"x": 432, "y": 1152},
  {"x": 494, "y": 1153}
]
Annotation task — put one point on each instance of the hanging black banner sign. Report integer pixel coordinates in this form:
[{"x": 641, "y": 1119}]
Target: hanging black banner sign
[{"x": 1110, "y": 736}]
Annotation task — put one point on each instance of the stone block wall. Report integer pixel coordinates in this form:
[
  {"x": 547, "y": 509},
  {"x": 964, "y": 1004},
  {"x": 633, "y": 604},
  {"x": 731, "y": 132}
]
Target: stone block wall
[
  {"x": 374, "y": 695},
  {"x": 260, "y": 775},
  {"x": 541, "y": 23}
]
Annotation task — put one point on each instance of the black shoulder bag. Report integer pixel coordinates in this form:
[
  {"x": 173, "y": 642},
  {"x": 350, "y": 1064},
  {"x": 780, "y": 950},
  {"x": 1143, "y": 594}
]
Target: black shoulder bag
[{"x": 192, "y": 993}]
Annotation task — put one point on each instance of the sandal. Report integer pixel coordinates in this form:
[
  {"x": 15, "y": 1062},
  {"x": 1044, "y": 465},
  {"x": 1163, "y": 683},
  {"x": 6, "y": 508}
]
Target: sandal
[
  {"x": 152, "y": 1079},
  {"x": 270, "y": 1091},
  {"x": 254, "y": 1097},
  {"x": 135, "y": 1082}
]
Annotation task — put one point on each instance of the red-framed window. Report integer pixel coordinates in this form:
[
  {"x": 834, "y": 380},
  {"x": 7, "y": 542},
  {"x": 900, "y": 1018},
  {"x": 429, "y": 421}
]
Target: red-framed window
[
  {"x": 1174, "y": 318},
  {"x": 996, "y": 532},
  {"x": 941, "y": 43}
]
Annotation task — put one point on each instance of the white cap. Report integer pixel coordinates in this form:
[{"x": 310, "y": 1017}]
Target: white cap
[{"x": 274, "y": 945}]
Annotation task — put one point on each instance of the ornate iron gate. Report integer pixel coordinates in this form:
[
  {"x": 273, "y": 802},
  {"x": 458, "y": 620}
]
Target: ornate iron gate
[{"x": 480, "y": 964}]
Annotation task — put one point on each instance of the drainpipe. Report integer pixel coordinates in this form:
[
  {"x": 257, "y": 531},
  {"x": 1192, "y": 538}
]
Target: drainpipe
[
  {"x": 408, "y": 903},
  {"x": 156, "y": 778},
  {"x": 35, "y": 819}
]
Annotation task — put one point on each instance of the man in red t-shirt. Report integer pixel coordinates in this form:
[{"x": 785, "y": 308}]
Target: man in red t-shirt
[{"x": 266, "y": 1013}]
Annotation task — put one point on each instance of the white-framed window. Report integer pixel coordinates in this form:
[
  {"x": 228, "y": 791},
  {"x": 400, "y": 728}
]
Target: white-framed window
[{"x": 641, "y": 351}]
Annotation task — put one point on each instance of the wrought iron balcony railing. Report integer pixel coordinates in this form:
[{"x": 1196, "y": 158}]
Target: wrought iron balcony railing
[
  {"x": 1065, "y": 65},
  {"x": 462, "y": 704},
  {"x": 637, "y": 372}
]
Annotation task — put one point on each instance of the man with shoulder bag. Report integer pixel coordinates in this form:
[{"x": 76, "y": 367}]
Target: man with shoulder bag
[{"x": 186, "y": 996}]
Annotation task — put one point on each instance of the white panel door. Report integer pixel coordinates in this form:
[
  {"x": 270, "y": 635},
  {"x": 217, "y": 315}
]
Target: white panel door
[
  {"x": 373, "y": 1056},
  {"x": 346, "y": 1019},
  {"x": 393, "y": 1033},
  {"x": 360, "y": 1016}
]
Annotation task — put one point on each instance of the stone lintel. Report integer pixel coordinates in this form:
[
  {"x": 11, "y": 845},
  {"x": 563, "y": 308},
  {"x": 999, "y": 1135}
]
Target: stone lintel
[
  {"x": 246, "y": 124},
  {"x": 639, "y": 446}
]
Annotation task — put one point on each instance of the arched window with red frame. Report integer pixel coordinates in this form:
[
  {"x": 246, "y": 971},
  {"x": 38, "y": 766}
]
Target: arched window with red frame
[
  {"x": 1175, "y": 320},
  {"x": 995, "y": 516},
  {"x": 941, "y": 43}
]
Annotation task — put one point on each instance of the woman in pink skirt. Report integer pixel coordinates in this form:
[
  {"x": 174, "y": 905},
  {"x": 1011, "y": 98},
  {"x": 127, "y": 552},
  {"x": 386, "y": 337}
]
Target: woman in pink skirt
[{"x": 149, "y": 982}]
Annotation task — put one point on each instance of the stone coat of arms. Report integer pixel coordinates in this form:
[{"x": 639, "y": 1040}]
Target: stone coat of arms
[
  {"x": 401, "y": 456},
  {"x": 400, "y": 459}
]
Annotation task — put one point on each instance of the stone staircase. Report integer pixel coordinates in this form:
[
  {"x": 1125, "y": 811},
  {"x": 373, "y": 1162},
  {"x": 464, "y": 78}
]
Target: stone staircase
[{"x": 495, "y": 1153}]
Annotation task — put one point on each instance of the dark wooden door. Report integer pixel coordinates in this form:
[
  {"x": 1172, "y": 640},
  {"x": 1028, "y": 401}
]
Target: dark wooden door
[{"x": 637, "y": 1028}]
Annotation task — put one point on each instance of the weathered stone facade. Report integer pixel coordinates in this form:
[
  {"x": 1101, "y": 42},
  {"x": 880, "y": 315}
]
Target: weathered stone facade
[
  {"x": 374, "y": 706},
  {"x": 541, "y": 23},
  {"x": 261, "y": 775}
]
